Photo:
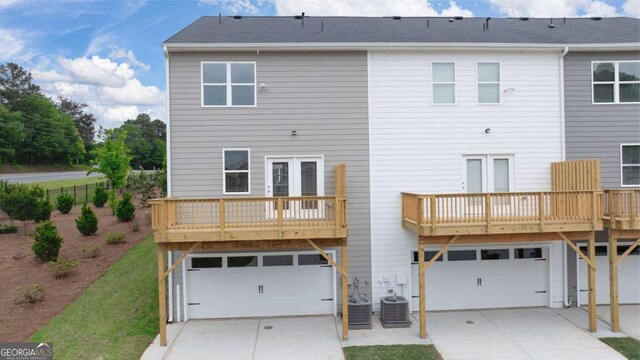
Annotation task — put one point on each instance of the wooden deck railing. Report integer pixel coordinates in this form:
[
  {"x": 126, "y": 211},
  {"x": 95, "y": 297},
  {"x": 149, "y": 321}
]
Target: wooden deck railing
[
  {"x": 502, "y": 213},
  {"x": 232, "y": 219},
  {"x": 622, "y": 209}
]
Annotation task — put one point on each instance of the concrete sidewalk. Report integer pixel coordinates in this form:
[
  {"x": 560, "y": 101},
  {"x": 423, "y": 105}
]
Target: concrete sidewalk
[{"x": 629, "y": 318}]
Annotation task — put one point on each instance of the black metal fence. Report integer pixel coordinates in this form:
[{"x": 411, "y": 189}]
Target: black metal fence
[{"x": 82, "y": 193}]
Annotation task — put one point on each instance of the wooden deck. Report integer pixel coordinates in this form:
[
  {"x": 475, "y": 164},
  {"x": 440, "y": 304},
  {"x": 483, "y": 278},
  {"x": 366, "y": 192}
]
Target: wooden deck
[
  {"x": 502, "y": 213},
  {"x": 622, "y": 209},
  {"x": 176, "y": 220}
]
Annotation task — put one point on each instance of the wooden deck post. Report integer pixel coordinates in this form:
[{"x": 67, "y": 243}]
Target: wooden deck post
[
  {"x": 162, "y": 297},
  {"x": 421, "y": 286},
  {"x": 592, "y": 283},
  {"x": 613, "y": 281},
  {"x": 345, "y": 292}
]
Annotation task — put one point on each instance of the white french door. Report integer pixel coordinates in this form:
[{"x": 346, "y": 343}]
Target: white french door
[
  {"x": 296, "y": 176},
  {"x": 487, "y": 173}
]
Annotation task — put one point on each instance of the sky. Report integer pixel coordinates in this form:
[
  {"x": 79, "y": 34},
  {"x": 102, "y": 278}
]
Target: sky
[{"x": 108, "y": 54}]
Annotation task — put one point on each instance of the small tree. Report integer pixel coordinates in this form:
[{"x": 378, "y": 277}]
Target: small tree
[
  {"x": 143, "y": 185},
  {"x": 112, "y": 158},
  {"x": 87, "y": 223},
  {"x": 100, "y": 196},
  {"x": 65, "y": 202},
  {"x": 125, "y": 210},
  {"x": 25, "y": 203},
  {"x": 47, "y": 242}
]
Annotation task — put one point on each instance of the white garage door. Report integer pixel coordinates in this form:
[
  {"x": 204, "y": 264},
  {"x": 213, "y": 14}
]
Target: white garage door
[
  {"x": 628, "y": 276},
  {"x": 262, "y": 284},
  {"x": 485, "y": 277}
]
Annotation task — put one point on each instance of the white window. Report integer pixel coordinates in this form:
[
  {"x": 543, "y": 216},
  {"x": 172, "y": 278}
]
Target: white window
[
  {"x": 443, "y": 83},
  {"x": 630, "y": 164},
  {"x": 236, "y": 171},
  {"x": 615, "y": 82},
  {"x": 228, "y": 84},
  {"x": 488, "y": 83}
]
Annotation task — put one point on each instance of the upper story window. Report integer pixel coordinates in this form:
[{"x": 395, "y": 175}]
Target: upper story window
[
  {"x": 488, "y": 83},
  {"x": 443, "y": 83},
  {"x": 630, "y": 163},
  {"x": 228, "y": 84},
  {"x": 616, "y": 82},
  {"x": 236, "y": 171}
]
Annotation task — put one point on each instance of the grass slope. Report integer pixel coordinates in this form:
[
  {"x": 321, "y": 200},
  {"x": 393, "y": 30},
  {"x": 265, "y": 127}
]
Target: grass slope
[
  {"x": 57, "y": 184},
  {"x": 391, "y": 352},
  {"x": 116, "y": 317},
  {"x": 626, "y": 346}
]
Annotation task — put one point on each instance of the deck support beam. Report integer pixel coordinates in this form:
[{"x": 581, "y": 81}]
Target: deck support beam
[
  {"x": 422, "y": 267},
  {"x": 162, "y": 297},
  {"x": 343, "y": 270},
  {"x": 614, "y": 261},
  {"x": 590, "y": 259}
]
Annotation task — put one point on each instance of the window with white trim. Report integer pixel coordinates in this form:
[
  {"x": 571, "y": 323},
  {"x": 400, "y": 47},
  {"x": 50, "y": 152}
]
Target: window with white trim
[
  {"x": 630, "y": 164},
  {"x": 488, "y": 77},
  {"x": 228, "y": 84},
  {"x": 443, "y": 80},
  {"x": 236, "y": 171},
  {"x": 615, "y": 82}
]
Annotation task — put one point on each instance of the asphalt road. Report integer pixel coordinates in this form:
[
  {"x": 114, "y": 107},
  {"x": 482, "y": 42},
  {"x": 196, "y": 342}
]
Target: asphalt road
[{"x": 46, "y": 176}]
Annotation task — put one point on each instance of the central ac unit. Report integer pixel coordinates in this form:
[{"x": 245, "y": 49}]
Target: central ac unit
[{"x": 394, "y": 311}]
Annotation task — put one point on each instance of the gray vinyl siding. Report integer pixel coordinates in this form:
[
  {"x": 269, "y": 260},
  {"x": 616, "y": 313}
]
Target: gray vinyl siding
[
  {"x": 595, "y": 131},
  {"x": 321, "y": 95}
]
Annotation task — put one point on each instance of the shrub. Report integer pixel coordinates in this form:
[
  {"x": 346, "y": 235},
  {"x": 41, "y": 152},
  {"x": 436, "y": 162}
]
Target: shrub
[
  {"x": 65, "y": 202},
  {"x": 47, "y": 242},
  {"x": 8, "y": 229},
  {"x": 100, "y": 196},
  {"x": 142, "y": 185},
  {"x": 31, "y": 294},
  {"x": 116, "y": 237},
  {"x": 62, "y": 267},
  {"x": 87, "y": 222},
  {"x": 135, "y": 226},
  {"x": 125, "y": 211},
  {"x": 90, "y": 252},
  {"x": 24, "y": 203}
]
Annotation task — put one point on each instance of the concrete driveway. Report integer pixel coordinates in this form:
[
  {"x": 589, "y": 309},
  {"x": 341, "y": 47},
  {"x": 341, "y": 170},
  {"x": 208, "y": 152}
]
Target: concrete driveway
[
  {"x": 537, "y": 333},
  {"x": 629, "y": 318},
  {"x": 257, "y": 339}
]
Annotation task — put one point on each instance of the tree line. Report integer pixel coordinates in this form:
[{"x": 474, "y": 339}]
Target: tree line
[{"x": 35, "y": 129}]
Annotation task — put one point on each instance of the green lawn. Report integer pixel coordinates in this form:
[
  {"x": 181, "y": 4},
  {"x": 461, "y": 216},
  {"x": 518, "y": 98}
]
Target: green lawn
[
  {"x": 391, "y": 352},
  {"x": 116, "y": 317},
  {"x": 626, "y": 346},
  {"x": 57, "y": 184}
]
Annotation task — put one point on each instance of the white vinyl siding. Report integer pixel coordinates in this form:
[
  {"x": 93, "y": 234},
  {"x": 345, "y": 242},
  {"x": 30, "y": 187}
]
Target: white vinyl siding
[
  {"x": 615, "y": 82},
  {"x": 228, "y": 84},
  {"x": 419, "y": 147},
  {"x": 444, "y": 83},
  {"x": 630, "y": 164}
]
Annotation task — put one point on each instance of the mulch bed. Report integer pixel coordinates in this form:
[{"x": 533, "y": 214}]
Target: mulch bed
[{"x": 20, "y": 267}]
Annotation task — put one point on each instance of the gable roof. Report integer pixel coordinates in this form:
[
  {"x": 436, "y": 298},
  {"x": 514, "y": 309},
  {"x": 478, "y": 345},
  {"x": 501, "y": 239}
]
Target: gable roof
[{"x": 238, "y": 30}]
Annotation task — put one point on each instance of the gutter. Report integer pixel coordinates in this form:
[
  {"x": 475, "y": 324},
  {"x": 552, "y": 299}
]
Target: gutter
[{"x": 565, "y": 272}]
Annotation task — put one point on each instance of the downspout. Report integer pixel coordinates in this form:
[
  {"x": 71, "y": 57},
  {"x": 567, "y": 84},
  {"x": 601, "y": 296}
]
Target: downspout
[
  {"x": 168, "y": 140},
  {"x": 565, "y": 272}
]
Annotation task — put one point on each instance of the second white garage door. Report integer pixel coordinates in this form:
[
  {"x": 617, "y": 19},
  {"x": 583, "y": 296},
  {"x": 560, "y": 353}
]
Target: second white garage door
[
  {"x": 628, "y": 276},
  {"x": 260, "y": 284},
  {"x": 485, "y": 277}
]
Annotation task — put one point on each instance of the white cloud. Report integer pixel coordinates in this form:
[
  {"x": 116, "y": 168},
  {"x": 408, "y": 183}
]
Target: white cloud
[
  {"x": 109, "y": 88},
  {"x": 8, "y": 3},
  {"x": 236, "y": 7},
  {"x": 631, "y": 8},
  {"x": 553, "y": 8},
  {"x": 128, "y": 55},
  {"x": 366, "y": 8},
  {"x": 13, "y": 46}
]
